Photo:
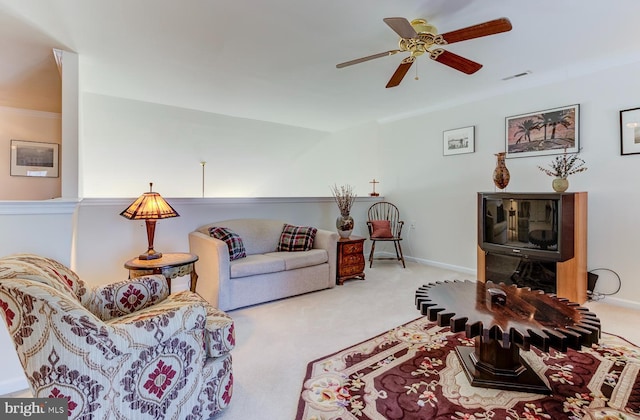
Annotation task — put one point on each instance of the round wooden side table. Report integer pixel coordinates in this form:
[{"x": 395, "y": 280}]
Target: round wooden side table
[{"x": 170, "y": 265}]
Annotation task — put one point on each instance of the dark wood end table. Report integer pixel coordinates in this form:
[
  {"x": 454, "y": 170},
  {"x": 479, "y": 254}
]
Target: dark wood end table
[
  {"x": 504, "y": 319},
  {"x": 350, "y": 256},
  {"x": 170, "y": 265}
]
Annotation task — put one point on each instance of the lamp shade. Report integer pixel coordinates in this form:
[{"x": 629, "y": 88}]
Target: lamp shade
[{"x": 150, "y": 207}]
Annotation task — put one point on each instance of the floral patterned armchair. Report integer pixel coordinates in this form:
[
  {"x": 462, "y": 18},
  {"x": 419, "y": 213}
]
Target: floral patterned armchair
[{"x": 128, "y": 350}]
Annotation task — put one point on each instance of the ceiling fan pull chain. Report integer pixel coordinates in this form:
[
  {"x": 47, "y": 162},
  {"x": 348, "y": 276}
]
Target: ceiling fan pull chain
[{"x": 416, "y": 78}]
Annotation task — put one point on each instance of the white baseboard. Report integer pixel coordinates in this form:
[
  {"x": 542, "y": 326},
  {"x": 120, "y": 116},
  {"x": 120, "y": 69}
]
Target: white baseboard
[
  {"x": 11, "y": 385},
  {"x": 438, "y": 264},
  {"x": 465, "y": 270},
  {"x": 621, "y": 302}
]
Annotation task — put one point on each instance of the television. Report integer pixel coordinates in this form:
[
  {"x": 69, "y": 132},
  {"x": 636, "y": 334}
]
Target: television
[{"x": 538, "y": 226}]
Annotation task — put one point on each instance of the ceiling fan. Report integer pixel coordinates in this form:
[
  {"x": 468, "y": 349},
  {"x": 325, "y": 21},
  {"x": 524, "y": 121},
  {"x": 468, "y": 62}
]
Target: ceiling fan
[{"x": 418, "y": 37}]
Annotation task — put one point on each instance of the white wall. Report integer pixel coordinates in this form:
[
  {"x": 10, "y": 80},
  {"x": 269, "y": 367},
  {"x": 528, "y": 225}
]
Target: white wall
[
  {"x": 439, "y": 192},
  {"x": 127, "y": 144},
  {"x": 70, "y": 125}
]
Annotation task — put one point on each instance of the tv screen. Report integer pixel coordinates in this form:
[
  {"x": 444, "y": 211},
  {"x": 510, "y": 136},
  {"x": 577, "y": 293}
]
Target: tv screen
[{"x": 527, "y": 225}]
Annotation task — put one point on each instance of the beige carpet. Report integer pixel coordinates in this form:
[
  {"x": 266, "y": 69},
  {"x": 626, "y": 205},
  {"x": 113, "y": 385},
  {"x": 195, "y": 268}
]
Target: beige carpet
[{"x": 275, "y": 341}]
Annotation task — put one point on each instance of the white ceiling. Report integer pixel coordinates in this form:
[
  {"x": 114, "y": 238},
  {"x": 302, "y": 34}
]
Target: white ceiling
[{"x": 274, "y": 60}]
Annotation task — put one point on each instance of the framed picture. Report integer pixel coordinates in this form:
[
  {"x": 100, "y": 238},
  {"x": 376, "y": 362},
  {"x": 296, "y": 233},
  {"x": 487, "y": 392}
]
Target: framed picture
[
  {"x": 458, "y": 141},
  {"x": 31, "y": 158},
  {"x": 547, "y": 132},
  {"x": 630, "y": 131}
]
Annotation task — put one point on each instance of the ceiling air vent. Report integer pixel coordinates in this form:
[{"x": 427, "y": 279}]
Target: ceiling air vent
[{"x": 524, "y": 73}]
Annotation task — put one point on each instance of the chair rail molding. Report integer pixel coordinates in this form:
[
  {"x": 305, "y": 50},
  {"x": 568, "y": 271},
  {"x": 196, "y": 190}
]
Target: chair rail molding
[{"x": 53, "y": 206}]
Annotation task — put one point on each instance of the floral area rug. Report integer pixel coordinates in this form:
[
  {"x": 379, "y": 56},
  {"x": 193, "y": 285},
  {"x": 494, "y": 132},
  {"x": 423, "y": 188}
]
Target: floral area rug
[{"x": 412, "y": 372}]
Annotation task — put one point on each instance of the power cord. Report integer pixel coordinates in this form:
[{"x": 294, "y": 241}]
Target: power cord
[{"x": 595, "y": 296}]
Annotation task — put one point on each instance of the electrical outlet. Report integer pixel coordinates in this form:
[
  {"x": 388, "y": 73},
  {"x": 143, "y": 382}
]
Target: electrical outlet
[{"x": 412, "y": 226}]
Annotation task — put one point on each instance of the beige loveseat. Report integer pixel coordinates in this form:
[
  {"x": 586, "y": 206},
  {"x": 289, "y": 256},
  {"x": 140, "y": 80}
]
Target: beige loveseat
[{"x": 264, "y": 274}]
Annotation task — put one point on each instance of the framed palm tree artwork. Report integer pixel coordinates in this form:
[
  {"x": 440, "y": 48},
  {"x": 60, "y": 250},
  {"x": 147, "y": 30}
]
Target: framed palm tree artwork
[{"x": 548, "y": 132}]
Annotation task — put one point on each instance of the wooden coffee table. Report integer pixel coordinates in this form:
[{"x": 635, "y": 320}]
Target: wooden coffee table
[{"x": 504, "y": 319}]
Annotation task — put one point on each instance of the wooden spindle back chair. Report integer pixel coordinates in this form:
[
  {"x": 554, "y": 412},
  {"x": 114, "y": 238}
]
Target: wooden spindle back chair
[{"x": 384, "y": 225}]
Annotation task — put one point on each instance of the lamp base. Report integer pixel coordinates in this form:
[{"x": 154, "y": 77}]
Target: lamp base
[{"x": 150, "y": 255}]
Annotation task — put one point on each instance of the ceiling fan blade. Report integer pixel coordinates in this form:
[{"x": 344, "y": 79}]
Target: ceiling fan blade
[
  {"x": 397, "y": 77},
  {"x": 491, "y": 27},
  {"x": 455, "y": 61},
  {"x": 401, "y": 26},
  {"x": 367, "y": 58}
]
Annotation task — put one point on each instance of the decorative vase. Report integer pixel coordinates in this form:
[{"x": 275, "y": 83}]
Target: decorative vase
[
  {"x": 501, "y": 174},
  {"x": 344, "y": 223},
  {"x": 560, "y": 184}
]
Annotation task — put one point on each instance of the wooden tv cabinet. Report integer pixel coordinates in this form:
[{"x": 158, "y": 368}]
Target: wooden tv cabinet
[{"x": 571, "y": 275}]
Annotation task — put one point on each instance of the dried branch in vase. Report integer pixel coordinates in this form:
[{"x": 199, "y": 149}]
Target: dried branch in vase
[
  {"x": 565, "y": 165},
  {"x": 344, "y": 197}
]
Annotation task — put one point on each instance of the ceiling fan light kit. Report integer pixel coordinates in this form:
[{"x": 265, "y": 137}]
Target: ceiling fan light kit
[
  {"x": 421, "y": 26},
  {"x": 419, "y": 37}
]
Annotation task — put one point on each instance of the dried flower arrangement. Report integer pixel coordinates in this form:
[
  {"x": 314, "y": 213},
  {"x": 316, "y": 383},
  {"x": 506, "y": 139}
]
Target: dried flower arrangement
[
  {"x": 565, "y": 165},
  {"x": 344, "y": 197}
]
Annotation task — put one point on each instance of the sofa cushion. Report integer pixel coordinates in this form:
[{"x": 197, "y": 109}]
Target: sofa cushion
[
  {"x": 233, "y": 240},
  {"x": 296, "y": 238},
  {"x": 294, "y": 260},
  {"x": 381, "y": 229},
  {"x": 255, "y": 264}
]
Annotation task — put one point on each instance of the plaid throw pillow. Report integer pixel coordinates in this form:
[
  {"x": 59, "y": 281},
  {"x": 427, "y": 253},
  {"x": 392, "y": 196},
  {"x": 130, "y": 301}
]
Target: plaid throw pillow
[
  {"x": 296, "y": 238},
  {"x": 233, "y": 240}
]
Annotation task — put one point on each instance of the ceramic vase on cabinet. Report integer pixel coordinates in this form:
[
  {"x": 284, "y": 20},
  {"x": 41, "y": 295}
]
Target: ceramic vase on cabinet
[
  {"x": 560, "y": 184},
  {"x": 501, "y": 174},
  {"x": 344, "y": 224}
]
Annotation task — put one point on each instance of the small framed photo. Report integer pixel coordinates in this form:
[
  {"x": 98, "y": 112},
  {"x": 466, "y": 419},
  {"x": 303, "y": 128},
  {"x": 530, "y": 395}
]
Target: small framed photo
[
  {"x": 459, "y": 141},
  {"x": 547, "y": 132},
  {"x": 630, "y": 131},
  {"x": 31, "y": 158}
]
